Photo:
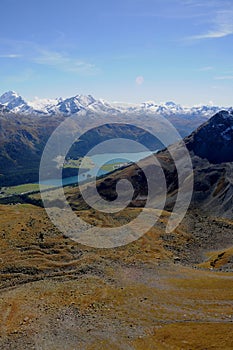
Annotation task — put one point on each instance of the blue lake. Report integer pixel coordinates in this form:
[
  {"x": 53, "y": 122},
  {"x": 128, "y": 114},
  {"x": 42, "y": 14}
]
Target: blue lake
[{"x": 99, "y": 160}]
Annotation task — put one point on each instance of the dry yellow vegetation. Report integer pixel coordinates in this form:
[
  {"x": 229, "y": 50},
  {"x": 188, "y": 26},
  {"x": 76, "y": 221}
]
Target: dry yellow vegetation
[{"x": 57, "y": 294}]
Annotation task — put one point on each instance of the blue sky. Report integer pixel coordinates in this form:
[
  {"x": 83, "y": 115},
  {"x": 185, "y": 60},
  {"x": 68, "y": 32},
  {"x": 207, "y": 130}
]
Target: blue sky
[{"x": 125, "y": 50}]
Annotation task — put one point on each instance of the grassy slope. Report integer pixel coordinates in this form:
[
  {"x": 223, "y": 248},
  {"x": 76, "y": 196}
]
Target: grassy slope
[{"x": 57, "y": 294}]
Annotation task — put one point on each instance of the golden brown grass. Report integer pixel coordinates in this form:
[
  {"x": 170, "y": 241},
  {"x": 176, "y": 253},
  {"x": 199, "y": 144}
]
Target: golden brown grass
[
  {"x": 217, "y": 259},
  {"x": 188, "y": 336},
  {"x": 131, "y": 297}
]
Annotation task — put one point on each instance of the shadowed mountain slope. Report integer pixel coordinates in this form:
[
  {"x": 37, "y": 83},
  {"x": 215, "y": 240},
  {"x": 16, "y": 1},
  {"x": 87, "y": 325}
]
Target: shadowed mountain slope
[{"x": 210, "y": 148}]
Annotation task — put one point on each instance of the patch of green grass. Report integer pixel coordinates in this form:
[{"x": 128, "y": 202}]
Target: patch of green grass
[
  {"x": 80, "y": 163},
  {"x": 112, "y": 166},
  {"x": 7, "y": 191}
]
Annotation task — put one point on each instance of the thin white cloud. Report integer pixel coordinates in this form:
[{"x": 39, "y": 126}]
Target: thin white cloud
[
  {"x": 62, "y": 61},
  {"x": 57, "y": 58},
  {"x": 201, "y": 4},
  {"x": 11, "y": 55},
  {"x": 213, "y": 34},
  {"x": 220, "y": 20},
  {"x": 205, "y": 69},
  {"x": 224, "y": 77}
]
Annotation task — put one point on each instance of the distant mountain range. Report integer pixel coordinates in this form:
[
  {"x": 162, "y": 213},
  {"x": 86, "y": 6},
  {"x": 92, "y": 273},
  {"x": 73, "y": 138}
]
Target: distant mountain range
[
  {"x": 26, "y": 126},
  {"x": 68, "y": 106}
]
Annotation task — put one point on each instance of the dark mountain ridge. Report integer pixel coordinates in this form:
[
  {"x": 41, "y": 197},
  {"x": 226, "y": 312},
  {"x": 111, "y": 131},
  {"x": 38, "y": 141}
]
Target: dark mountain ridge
[
  {"x": 214, "y": 139},
  {"x": 210, "y": 148}
]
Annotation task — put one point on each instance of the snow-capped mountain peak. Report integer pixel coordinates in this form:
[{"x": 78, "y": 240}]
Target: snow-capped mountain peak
[
  {"x": 42, "y": 105},
  {"x": 84, "y": 100},
  {"x": 171, "y": 104},
  {"x": 14, "y": 102},
  {"x": 8, "y": 96},
  {"x": 71, "y": 105}
]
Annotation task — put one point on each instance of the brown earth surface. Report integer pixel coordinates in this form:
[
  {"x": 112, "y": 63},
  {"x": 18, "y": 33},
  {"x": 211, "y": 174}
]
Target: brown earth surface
[{"x": 164, "y": 291}]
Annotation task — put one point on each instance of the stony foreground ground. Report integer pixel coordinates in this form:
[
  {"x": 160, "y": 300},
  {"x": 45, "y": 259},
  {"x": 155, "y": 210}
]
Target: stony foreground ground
[{"x": 160, "y": 292}]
